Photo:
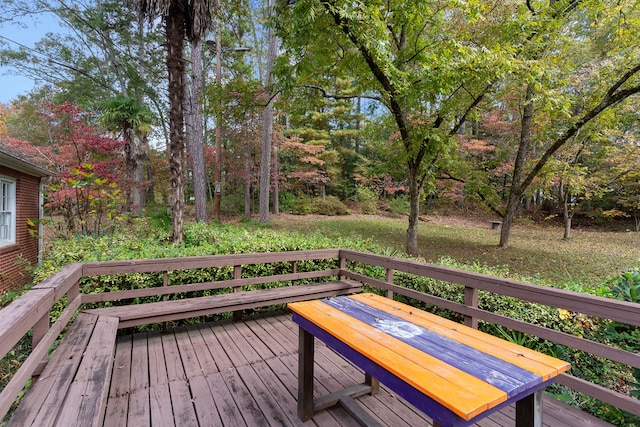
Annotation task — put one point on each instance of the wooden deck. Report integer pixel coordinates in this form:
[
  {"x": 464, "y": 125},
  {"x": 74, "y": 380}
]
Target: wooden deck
[{"x": 245, "y": 373}]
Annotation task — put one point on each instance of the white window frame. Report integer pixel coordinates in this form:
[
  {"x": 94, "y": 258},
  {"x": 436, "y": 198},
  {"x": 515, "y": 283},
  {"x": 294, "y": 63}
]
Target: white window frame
[{"x": 7, "y": 210}]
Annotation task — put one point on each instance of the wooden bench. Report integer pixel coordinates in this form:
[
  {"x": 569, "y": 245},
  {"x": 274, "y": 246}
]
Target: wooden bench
[
  {"x": 495, "y": 225},
  {"x": 162, "y": 311},
  {"x": 73, "y": 387},
  {"x": 455, "y": 374}
]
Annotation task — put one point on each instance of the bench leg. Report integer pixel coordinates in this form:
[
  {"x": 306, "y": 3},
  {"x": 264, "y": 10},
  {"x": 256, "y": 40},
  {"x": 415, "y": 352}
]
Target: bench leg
[
  {"x": 305, "y": 374},
  {"x": 529, "y": 410}
]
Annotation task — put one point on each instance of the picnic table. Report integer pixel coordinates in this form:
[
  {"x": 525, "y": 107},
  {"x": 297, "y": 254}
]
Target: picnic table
[{"x": 455, "y": 374}]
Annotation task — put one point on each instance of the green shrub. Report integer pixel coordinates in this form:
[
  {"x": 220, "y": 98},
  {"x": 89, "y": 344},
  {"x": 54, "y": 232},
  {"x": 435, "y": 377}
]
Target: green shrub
[
  {"x": 368, "y": 200},
  {"x": 287, "y": 201},
  {"x": 161, "y": 219},
  {"x": 400, "y": 205},
  {"x": 330, "y": 206},
  {"x": 232, "y": 203},
  {"x": 142, "y": 242},
  {"x": 198, "y": 234},
  {"x": 627, "y": 286},
  {"x": 8, "y": 297},
  {"x": 302, "y": 205}
]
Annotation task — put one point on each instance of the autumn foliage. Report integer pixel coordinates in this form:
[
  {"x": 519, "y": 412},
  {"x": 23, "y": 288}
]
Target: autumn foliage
[{"x": 88, "y": 185}]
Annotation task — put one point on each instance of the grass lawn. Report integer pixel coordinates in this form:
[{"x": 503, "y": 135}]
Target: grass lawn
[{"x": 589, "y": 258}]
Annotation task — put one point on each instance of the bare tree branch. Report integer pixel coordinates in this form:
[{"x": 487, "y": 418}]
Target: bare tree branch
[{"x": 326, "y": 94}]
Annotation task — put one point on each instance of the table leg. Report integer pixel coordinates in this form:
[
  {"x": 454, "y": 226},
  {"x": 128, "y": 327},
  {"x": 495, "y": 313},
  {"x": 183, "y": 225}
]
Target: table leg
[
  {"x": 373, "y": 383},
  {"x": 305, "y": 374},
  {"x": 529, "y": 410}
]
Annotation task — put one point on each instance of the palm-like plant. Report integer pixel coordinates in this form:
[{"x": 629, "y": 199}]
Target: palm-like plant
[
  {"x": 181, "y": 18},
  {"x": 128, "y": 116}
]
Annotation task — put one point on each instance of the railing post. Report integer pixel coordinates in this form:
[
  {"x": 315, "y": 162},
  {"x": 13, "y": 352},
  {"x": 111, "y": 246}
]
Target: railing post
[
  {"x": 237, "y": 274},
  {"x": 42, "y": 325},
  {"x": 165, "y": 296},
  {"x": 165, "y": 284},
  {"x": 389, "y": 279},
  {"x": 342, "y": 265},
  {"x": 73, "y": 292},
  {"x": 294, "y": 270},
  {"x": 40, "y": 328},
  {"x": 471, "y": 300}
]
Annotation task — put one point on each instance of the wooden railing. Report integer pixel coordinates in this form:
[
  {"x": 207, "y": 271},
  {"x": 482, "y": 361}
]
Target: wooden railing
[{"x": 31, "y": 312}]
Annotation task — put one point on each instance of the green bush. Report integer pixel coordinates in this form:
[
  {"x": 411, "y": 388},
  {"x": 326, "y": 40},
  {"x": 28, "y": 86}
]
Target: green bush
[
  {"x": 232, "y": 203},
  {"x": 330, "y": 206},
  {"x": 627, "y": 286},
  {"x": 302, "y": 205},
  {"x": 141, "y": 242},
  {"x": 199, "y": 234},
  {"x": 287, "y": 201},
  {"x": 400, "y": 205},
  {"x": 161, "y": 219},
  {"x": 368, "y": 200}
]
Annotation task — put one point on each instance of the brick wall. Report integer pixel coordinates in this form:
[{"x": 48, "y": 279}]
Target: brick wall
[{"x": 14, "y": 258}]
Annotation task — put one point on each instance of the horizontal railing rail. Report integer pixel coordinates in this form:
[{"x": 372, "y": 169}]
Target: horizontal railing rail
[
  {"x": 205, "y": 286},
  {"x": 31, "y": 312}
]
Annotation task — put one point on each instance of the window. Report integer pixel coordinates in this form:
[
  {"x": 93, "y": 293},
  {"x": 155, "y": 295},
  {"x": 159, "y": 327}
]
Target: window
[{"x": 7, "y": 211}]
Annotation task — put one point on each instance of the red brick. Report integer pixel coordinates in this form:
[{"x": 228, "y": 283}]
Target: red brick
[{"x": 15, "y": 258}]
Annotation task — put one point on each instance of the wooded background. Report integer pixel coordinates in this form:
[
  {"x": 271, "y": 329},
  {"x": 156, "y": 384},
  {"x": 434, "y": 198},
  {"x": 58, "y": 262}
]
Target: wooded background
[{"x": 261, "y": 106}]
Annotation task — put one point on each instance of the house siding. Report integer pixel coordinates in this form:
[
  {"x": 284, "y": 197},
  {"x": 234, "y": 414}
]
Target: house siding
[{"x": 15, "y": 259}]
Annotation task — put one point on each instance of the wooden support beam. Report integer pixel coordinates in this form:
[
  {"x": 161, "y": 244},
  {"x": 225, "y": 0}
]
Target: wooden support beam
[
  {"x": 529, "y": 410},
  {"x": 358, "y": 413},
  {"x": 305, "y": 374}
]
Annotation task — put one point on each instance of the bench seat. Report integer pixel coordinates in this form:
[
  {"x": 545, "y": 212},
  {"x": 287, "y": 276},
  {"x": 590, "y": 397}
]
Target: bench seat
[
  {"x": 143, "y": 314},
  {"x": 73, "y": 387}
]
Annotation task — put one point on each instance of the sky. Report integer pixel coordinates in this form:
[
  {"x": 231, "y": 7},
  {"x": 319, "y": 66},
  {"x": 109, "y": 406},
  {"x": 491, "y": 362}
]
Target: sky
[{"x": 27, "y": 34}]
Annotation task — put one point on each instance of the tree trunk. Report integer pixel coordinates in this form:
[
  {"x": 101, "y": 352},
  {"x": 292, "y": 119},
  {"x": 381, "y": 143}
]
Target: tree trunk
[
  {"x": 515, "y": 191},
  {"x": 356, "y": 148},
  {"x": 567, "y": 223},
  {"x": 265, "y": 163},
  {"x": 414, "y": 212},
  {"x": 130, "y": 167},
  {"x": 275, "y": 174},
  {"x": 174, "y": 23},
  {"x": 267, "y": 126},
  {"x": 567, "y": 212},
  {"x": 196, "y": 131},
  {"x": 140, "y": 154},
  {"x": 246, "y": 154},
  {"x": 217, "y": 185}
]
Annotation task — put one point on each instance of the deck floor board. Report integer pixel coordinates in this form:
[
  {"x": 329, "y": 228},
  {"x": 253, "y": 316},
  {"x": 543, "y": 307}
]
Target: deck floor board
[
  {"x": 245, "y": 373},
  {"x": 118, "y": 408},
  {"x": 219, "y": 356},
  {"x": 228, "y": 411}
]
